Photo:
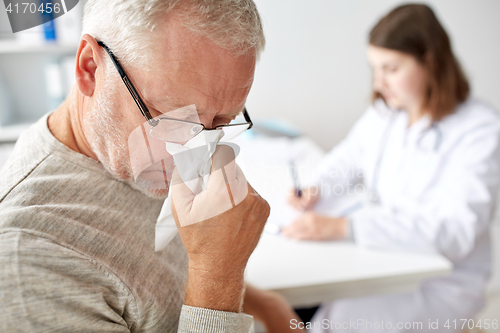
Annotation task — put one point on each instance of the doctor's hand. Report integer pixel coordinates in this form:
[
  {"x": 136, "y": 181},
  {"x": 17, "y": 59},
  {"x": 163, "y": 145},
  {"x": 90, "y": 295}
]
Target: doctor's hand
[
  {"x": 219, "y": 228},
  {"x": 311, "y": 226},
  {"x": 306, "y": 201},
  {"x": 271, "y": 309}
]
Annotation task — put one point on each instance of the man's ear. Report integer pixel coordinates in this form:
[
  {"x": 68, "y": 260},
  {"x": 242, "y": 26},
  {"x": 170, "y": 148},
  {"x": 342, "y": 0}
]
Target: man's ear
[{"x": 88, "y": 59}]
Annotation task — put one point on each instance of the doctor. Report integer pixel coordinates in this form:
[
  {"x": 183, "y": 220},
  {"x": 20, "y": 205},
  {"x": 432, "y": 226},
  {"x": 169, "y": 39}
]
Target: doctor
[{"x": 429, "y": 157}]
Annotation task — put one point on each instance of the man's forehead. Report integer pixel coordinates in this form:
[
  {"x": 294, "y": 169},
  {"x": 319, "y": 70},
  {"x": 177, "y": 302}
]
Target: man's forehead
[
  {"x": 175, "y": 46},
  {"x": 206, "y": 64},
  {"x": 187, "y": 68},
  {"x": 206, "y": 88}
]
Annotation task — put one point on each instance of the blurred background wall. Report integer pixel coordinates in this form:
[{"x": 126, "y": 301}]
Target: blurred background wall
[{"x": 314, "y": 70}]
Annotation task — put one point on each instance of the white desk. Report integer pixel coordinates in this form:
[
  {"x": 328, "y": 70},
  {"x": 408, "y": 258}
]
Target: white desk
[{"x": 307, "y": 273}]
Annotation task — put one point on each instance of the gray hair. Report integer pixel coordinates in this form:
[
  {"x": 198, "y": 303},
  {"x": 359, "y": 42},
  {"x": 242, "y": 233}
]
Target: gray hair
[{"x": 126, "y": 25}]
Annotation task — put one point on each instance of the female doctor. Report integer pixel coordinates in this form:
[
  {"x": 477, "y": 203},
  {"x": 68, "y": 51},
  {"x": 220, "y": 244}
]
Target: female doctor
[{"x": 429, "y": 157}]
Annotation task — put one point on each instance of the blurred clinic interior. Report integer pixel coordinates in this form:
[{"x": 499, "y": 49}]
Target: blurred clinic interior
[{"x": 375, "y": 139}]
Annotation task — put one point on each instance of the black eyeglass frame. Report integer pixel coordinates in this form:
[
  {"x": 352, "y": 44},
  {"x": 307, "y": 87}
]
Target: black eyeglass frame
[{"x": 142, "y": 106}]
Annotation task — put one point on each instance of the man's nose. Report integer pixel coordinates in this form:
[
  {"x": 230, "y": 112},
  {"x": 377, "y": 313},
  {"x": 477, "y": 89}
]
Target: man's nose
[{"x": 207, "y": 121}]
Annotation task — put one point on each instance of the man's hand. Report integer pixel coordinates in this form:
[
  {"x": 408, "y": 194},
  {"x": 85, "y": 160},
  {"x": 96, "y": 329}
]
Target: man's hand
[
  {"x": 271, "y": 309},
  {"x": 306, "y": 201},
  {"x": 220, "y": 228},
  {"x": 311, "y": 226}
]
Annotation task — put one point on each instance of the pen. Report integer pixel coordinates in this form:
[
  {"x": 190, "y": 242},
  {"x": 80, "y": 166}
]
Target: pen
[{"x": 295, "y": 177}]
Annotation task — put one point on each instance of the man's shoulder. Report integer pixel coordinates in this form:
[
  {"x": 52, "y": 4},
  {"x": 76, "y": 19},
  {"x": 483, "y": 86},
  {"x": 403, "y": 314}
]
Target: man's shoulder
[
  {"x": 22, "y": 249},
  {"x": 38, "y": 153},
  {"x": 39, "y": 270},
  {"x": 51, "y": 284},
  {"x": 43, "y": 179},
  {"x": 28, "y": 152},
  {"x": 87, "y": 211},
  {"x": 62, "y": 206}
]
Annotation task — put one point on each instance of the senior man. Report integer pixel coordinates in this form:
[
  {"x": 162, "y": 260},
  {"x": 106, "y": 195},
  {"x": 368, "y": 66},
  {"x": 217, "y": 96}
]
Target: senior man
[{"x": 77, "y": 233}]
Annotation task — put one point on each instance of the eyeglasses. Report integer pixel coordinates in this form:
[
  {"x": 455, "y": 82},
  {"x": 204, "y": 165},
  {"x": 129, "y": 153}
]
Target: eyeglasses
[{"x": 176, "y": 130}]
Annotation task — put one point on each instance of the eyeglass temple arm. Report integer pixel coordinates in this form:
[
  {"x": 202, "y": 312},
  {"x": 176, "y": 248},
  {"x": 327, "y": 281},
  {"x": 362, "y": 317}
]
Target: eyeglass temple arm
[
  {"x": 140, "y": 104},
  {"x": 247, "y": 118}
]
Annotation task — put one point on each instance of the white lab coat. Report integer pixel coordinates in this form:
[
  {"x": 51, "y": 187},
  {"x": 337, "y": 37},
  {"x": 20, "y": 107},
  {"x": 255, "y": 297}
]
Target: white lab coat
[{"x": 437, "y": 189}]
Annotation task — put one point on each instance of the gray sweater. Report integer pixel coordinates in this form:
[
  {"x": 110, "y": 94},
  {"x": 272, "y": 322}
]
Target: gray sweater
[{"x": 77, "y": 250}]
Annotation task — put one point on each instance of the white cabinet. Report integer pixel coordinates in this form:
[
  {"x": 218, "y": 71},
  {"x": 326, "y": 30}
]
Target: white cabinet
[
  {"x": 27, "y": 77},
  {"x": 24, "y": 73}
]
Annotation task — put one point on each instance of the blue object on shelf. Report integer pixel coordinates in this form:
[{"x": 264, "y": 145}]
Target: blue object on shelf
[{"x": 49, "y": 27}]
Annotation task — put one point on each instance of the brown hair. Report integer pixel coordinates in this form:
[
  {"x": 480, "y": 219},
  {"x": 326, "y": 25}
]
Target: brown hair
[{"x": 414, "y": 29}]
